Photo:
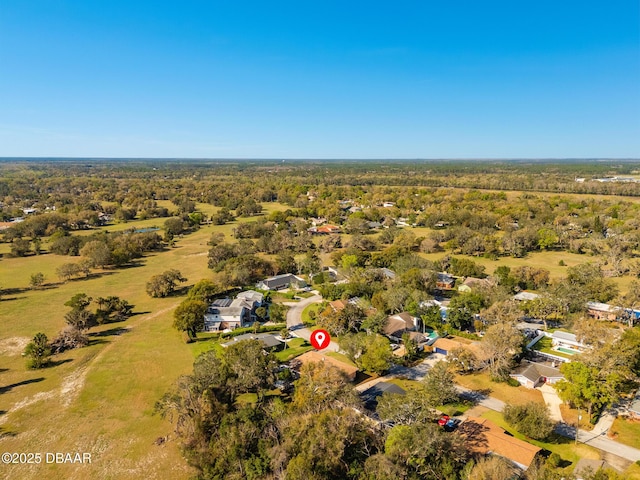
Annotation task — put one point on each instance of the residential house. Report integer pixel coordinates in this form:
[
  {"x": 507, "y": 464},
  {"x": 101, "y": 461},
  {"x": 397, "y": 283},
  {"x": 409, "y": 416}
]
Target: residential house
[
  {"x": 224, "y": 313},
  {"x": 252, "y": 300},
  {"x": 445, "y": 345},
  {"x": 269, "y": 341},
  {"x": 316, "y": 357},
  {"x": 226, "y": 317},
  {"x": 338, "y": 305},
  {"x": 401, "y": 323},
  {"x": 486, "y": 438},
  {"x": 563, "y": 341},
  {"x": 280, "y": 282},
  {"x": 445, "y": 281},
  {"x": 324, "y": 230},
  {"x": 388, "y": 273},
  {"x": 525, "y": 296},
  {"x": 371, "y": 394},
  {"x": 602, "y": 311},
  {"x": 472, "y": 283},
  {"x": 435, "y": 303},
  {"x": 532, "y": 374}
]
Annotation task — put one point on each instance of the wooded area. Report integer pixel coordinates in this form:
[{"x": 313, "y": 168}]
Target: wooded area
[{"x": 86, "y": 244}]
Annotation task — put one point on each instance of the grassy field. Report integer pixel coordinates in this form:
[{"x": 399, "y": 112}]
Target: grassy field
[
  {"x": 626, "y": 431},
  {"x": 98, "y": 399},
  {"x": 342, "y": 358},
  {"x": 501, "y": 390},
  {"x": 570, "y": 416},
  {"x": 314, "y": 307},
  {"x": 295, "y": 347}
]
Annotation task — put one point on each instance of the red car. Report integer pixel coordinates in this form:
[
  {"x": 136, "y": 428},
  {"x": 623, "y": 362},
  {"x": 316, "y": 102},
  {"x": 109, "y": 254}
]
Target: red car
[{"x": 443, "y": 420}]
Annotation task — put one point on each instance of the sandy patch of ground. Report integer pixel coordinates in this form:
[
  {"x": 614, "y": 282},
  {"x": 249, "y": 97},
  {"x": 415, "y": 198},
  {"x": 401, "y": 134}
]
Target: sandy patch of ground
[
  {"x": 13, "y": 346},
  {"x": 29, "y": 401}
]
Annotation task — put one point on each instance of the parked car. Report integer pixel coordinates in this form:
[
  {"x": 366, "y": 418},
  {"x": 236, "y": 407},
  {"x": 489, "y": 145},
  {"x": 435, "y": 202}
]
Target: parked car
[
  {"x": 442, "y": 421},
  {"x": 451, "y": 424}
]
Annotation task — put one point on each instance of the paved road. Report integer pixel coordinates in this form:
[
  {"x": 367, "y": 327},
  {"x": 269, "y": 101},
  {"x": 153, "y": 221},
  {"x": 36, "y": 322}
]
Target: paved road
[
  {"x": 295, "y": 325},
  {"x": 597, "y": 438}
]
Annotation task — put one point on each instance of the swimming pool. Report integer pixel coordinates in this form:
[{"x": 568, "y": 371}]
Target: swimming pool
[
  {"x": 431, "y": 333},
  {"x": 568, "y": 351}
]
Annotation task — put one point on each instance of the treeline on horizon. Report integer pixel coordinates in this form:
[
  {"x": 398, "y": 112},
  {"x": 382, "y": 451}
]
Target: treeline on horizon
[{"x": 512, "y": 175}]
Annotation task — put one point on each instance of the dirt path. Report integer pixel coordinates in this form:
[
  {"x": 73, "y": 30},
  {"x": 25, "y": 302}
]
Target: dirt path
[{"x": 72, "y": 384}]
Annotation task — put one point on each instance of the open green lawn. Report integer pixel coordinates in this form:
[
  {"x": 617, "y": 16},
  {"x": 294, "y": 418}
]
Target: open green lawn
[
  {"x": 205, "y": 343},
  {"x": 544, "y": 345},
  {"x": 341, "y": 357},
  {"x": 626, "y": 431},
  {"x": 548, "y": 260},
  {"x": 314, "y": 307},
  {"x": 295, "y": 347},
  {"x": 499, "y": 390},
  {"x": 97, "y": 399}
]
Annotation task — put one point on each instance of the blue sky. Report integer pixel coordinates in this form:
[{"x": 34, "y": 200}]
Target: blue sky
[{"x": 321, "y": 79}]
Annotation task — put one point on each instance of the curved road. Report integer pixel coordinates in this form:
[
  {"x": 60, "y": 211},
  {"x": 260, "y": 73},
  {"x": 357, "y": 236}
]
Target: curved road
[
  {"x": 294, "y": 321},
  {"x": 598, "y": 440}
]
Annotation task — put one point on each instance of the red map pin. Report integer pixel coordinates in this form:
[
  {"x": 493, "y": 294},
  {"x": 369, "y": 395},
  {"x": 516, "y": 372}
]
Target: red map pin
[{"x": 320, "y": 339}]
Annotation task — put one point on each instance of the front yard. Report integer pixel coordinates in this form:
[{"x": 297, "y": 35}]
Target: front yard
[
  {"x": 500, "y": 390},
  {"x": 626, "y": 431},
  {"x": 295, "y": 347}
]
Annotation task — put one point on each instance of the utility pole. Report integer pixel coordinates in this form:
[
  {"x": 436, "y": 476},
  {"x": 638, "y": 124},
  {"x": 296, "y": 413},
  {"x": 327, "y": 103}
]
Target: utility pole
[{"x": 578, "y": 425}]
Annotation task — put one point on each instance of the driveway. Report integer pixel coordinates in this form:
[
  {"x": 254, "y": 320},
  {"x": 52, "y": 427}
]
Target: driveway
[
  {"x": 553, "y": 402},
  {"x": 295, "y": 325}
]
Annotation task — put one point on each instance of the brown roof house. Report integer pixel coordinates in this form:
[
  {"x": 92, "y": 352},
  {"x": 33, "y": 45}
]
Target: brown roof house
[
  {"x": 472, "y": 283},
  {"x": 486, "y": 438},
  {"x": 316, "y": 357},
  {"x": 602, "y": 311},
  {"x": 445, "y": 281},
  {"x": 401, "y": 323},
  {"x": 446, "y": 345}
]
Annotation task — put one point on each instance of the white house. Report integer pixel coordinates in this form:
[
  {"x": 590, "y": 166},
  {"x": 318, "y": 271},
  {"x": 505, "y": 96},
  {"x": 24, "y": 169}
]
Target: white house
[
  {"x": 564, "y": 340},
  {"x": 226, "y": 314}
]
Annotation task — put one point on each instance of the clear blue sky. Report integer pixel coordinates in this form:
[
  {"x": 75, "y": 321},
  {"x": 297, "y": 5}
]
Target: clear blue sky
[{"x": 320, "y": 79}]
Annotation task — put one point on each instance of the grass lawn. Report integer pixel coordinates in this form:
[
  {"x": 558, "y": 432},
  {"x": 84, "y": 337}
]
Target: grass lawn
[
  {"x": 544, "y": 345},
  {"x": 633, "y": 472},
  {"x": 314, "y": 307},
  {"x": 341, "y": 357},
  {"x": 499, "y": 390},
  {"x": 98, "y": 399},
  {"x": 295, "y": 347},
  {"x": 205, "y": 344},
  {"x": 454, "y": 409},
  {"x": 570, "y": 416},
  {"x": 565, "y": 447},
  {"x": 626, "y": 431},
  {"x": 405, "y": 384}
]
